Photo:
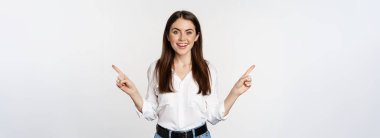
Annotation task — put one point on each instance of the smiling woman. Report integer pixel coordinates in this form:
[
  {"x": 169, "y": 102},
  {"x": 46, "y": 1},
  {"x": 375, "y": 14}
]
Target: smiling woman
[
  {"x": 182, "y": 90},
  {"x": 182, "y": 36},
  {"x": 182, "y": 44}
]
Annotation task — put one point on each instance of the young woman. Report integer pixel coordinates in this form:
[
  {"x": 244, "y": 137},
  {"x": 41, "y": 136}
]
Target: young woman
[{"x": 182, "y": 90}]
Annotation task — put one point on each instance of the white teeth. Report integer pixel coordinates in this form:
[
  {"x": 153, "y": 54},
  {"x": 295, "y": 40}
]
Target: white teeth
[{"x": 182, "y": 44}]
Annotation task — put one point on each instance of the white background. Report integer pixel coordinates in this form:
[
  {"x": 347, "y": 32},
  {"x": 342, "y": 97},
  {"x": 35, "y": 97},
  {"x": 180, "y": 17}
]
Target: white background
[{"x": 317, "y": 72}]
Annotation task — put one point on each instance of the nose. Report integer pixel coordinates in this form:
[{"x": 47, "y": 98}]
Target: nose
[{"x": 182, "y": 37}]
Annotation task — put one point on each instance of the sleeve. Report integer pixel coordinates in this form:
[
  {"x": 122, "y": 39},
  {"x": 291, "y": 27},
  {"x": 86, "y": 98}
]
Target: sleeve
[
  {"x": 215, "y": 108},
  {"x": 150, "y": 101}
]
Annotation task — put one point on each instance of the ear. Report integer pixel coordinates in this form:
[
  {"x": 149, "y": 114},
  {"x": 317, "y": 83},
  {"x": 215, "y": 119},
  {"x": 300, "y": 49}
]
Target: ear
[
  {"x": 196, "y": 37},
  {"x": 167, "y": 37}
]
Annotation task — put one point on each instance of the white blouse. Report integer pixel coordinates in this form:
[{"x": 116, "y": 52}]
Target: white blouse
[{"x": 183, "y": 109}]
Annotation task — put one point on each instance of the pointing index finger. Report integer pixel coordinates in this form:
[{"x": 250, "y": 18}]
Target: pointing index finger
[
  {"x": 249, "y": 70},
  {"x": 117, "y": 69}
]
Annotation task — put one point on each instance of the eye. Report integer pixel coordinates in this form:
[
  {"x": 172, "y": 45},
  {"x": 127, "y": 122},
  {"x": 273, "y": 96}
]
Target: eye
[
  {"x": 175, "y": 32},
  {"x": 189, "y": 33}
]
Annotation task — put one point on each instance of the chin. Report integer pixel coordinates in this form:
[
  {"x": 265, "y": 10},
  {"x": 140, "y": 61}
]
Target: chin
[{"x": 182, "y": 53}]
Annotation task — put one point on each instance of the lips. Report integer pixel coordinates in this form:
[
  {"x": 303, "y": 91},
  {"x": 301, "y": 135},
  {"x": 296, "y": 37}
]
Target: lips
[{"x": 182, "y": 45}]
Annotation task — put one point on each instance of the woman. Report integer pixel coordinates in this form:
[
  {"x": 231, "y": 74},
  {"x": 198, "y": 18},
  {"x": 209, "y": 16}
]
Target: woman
[{"x": 182, "y": 90}]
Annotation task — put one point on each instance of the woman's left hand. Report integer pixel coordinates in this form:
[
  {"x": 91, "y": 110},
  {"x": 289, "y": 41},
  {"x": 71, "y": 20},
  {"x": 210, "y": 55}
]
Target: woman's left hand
[{"x": 244, "y": 83}]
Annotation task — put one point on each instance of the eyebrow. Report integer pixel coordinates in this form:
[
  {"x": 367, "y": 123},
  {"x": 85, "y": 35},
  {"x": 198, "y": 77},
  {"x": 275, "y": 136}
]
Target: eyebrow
[{"x": 185, "y": 30}]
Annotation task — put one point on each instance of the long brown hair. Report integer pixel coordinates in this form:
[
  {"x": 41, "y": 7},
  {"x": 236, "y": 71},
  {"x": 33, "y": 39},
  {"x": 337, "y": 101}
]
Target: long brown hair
[{"x": 200, "y": 70}]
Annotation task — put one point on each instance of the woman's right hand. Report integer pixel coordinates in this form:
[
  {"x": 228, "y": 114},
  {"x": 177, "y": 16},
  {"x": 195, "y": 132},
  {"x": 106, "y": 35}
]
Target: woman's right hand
[{"x": 124, "y": 83}]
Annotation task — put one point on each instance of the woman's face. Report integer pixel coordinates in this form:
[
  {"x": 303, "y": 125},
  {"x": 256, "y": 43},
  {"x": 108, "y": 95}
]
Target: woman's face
[{"x": 182, "y": 36}]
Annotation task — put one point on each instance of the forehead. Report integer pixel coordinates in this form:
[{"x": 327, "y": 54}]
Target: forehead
[{"x": 183, "y": 24}]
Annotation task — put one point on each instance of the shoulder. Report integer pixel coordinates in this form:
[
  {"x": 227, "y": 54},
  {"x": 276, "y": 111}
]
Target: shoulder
[
  {"x": 211, "y": 68},
  {"x": 152, "y": 65},
  {"x": 151, "y": 68}
]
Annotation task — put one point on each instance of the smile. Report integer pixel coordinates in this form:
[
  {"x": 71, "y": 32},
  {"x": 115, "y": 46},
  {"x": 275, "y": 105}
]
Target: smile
[{"x": 182, "y": 45}]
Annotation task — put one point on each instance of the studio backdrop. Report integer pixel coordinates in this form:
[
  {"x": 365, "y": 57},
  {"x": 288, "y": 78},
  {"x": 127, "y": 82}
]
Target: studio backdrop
[{"x": 316, "y": 76}]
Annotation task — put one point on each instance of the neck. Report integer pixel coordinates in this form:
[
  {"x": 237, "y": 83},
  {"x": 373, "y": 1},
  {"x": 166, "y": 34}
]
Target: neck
[{"x": 182, "y": 60}]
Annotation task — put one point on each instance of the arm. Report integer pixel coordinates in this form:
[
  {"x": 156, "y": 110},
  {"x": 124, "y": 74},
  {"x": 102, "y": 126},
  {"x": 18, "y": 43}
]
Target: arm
[
  {"x": 137, "y": 100},
  {"x": 127, "y": 86},
  {"x": 241, "y": 86}
]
